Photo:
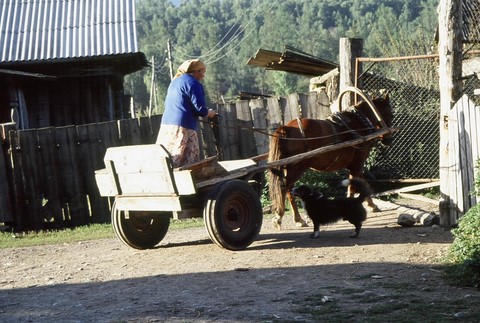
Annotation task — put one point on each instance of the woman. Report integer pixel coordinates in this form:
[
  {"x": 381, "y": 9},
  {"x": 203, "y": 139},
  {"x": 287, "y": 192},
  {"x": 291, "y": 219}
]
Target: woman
[{"x": 185, "y": 102}]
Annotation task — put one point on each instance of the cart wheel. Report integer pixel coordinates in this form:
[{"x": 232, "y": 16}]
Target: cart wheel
[
  {"x": 233, "y": 215},
  {"x": 141, "y": 229}
]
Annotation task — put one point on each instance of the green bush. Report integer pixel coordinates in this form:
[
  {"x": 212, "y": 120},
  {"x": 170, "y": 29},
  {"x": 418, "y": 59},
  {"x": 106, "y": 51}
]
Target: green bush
[{"x": 463, "y": 257}]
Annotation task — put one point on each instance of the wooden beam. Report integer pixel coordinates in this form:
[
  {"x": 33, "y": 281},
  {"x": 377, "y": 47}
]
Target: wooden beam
[
  {"x": 350, "y": 49},
  {"x": 409, "y": 188},
  {"x": 419, "y": 198},
  {"x": 450, "y": 73}
]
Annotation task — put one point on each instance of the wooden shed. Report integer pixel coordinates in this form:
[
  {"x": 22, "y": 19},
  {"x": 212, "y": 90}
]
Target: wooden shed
[
  {"x": 63, "y": 62},
  {"x": 62, "y": 69}
]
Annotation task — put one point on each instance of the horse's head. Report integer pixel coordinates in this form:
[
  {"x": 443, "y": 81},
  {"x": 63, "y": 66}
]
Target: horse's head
[{"x": 384, "y": 109}]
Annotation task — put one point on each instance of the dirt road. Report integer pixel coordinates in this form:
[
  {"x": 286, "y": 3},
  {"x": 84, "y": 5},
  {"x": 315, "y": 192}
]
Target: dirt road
[{"x": 389, "y": 273}]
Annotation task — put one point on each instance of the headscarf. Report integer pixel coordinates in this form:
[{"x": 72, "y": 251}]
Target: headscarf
[{"x": 190, "y": 66}]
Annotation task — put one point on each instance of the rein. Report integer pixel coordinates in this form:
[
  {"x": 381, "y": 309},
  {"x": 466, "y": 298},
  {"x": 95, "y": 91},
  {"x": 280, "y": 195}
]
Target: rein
[
  {"x": 369, "y": 125},
  {"x": 263, "y": 132}
]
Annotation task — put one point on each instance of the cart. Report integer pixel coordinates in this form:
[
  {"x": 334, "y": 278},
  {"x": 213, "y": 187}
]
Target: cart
[{"x": 148, "y": 192}]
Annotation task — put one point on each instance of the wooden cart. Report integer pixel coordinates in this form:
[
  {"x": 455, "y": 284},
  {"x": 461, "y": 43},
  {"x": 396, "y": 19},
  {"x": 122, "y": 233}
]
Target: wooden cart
[{"x": 148, "y": 192}]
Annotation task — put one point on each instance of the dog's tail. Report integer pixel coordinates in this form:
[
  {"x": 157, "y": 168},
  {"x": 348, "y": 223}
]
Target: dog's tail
[{"x": 360, "y": 186}]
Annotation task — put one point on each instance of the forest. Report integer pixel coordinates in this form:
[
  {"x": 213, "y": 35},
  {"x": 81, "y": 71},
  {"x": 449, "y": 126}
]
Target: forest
[{"x": 226, "y": 33}]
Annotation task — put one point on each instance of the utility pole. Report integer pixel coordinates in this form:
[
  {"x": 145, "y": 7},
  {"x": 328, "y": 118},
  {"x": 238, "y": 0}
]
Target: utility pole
[
  {"x": 152, "y": 87},
  {"x": 169, "y": 55}
]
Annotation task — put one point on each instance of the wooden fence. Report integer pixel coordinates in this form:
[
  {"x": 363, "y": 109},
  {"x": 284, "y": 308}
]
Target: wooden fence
[
  {"x": 47, "y": 175},
  {"x": 464, "y": 152}
]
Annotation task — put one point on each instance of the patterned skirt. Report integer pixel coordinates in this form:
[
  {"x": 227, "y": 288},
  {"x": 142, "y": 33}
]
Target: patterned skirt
[{"x": 181, "y": 143}]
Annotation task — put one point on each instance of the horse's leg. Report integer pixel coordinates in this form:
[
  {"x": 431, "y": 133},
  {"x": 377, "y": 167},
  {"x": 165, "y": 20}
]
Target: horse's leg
[
  {"x": 277, "y": 220},
  {"x": 373, "y": 207},
  {"x": 299, "y": 221}
]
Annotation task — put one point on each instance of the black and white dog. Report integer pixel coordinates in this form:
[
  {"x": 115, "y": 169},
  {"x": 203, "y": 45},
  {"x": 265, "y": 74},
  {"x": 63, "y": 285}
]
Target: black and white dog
[{"x": 325, "y": 210}]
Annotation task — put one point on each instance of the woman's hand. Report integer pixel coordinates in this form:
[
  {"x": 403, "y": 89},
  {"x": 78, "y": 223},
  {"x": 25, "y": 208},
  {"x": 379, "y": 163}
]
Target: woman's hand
[{"x": 211, "y": 113}]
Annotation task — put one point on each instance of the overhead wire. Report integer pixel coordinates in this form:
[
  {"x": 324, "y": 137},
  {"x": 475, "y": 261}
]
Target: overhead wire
[
  {"x": 213, "y": 55},
  {"x": 212, "y": 51}
]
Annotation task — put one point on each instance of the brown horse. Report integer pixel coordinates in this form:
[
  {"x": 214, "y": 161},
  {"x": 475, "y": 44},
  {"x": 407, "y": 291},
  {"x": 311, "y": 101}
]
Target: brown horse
[{"x": 303, "y": 135}]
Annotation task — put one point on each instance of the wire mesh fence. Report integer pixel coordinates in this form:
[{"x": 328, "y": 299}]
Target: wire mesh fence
[{"x": 412, "y": 86}]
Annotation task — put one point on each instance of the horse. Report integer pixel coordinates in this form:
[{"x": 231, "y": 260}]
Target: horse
[{"x": 303, "y": 135}]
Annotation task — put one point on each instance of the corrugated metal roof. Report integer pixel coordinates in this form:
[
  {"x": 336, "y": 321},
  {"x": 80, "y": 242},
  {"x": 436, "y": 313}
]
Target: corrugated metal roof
[{"x": 33, "y": 30}]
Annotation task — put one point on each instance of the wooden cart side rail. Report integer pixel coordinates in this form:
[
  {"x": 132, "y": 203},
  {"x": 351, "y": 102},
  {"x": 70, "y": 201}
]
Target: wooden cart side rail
[{"x": 141, "y": 169}]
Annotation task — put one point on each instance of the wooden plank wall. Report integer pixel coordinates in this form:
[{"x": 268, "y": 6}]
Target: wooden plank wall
[
  {"x": 464, "y": 145},
  {"x": 47, "y": 175}
]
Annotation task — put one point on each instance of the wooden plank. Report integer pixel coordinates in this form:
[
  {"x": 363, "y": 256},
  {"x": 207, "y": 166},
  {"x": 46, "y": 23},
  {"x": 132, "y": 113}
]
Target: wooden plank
[
  {"x": 142, "y": 169},
  {"x": 410, "y": 188},
  {"x": 244, "y": 126},
  {"x": 138, "y": 158},
  {"x": 349, "y": 50},
  {"x": 224, "y": 149},
  {"x": 260, "y": 126},
  {"x": 108, "y": 135},
  {"x": 184, "y": 182},
  {"x": 148, "y": 203},
  {"x": 146, "y": 183},
  {"x": 31, "y": 168},
  {"x": 230, "y": 144},
  {"x": 105, "y": 183},
  {"x": 74, "y": 200},
  {"x": 303, "y": 102},
  {"x": 146, "y": 132},
  {"x": 232, "y": 165},
  {"x": 275, "y": 113},
  {"x": 465, "y": 153},
  {"x": 455, "y": 190},
  {"x": 419, "y": 198},
  {"x": 293, "y": 108},
  {"x": 230, "y": 176},
  {"x": 322, "y": 110},
  {"x": 18, "y": 191},
  {"x": 50, "y": 180},
  {"x": 6, "y": 211},
  {"x": 91, "y": 159},
  {"x": 450, "y": 80},
  {"x": 207, "y": 138}
]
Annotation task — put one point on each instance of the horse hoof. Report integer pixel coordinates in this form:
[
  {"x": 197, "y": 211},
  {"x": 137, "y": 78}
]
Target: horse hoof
[
  {"x": 277, "y": 222},
  {"x": 375, "y": 209},
  {"x": 301, "y": 224}
]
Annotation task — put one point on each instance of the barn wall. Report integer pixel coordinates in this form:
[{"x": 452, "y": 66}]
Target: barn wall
[{"x": 65, "y": 101}]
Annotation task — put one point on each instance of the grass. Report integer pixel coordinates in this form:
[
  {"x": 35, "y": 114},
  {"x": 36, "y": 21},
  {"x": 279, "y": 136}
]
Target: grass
[{"x": 83, "y": 233}]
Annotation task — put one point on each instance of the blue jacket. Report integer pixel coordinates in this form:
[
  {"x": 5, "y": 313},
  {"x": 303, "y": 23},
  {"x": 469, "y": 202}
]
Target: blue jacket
[{"x": 185, "y": 102}]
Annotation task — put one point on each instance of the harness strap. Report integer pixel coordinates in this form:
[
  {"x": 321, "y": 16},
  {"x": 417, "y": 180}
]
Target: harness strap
[{"x": 300, "y": 127}]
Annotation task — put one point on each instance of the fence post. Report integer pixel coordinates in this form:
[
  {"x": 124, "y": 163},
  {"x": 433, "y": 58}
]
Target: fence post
[
  {"x": 350, "y": 49},
  {"x": 450, "y": 73}
]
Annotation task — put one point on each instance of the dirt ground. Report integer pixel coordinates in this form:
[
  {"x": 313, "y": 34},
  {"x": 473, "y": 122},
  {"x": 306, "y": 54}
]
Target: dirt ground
[{"x": 389, "y": 273}]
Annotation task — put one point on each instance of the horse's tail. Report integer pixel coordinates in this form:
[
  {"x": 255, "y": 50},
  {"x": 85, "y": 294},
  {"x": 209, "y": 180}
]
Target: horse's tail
[{"x": 276, "y": 177}]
